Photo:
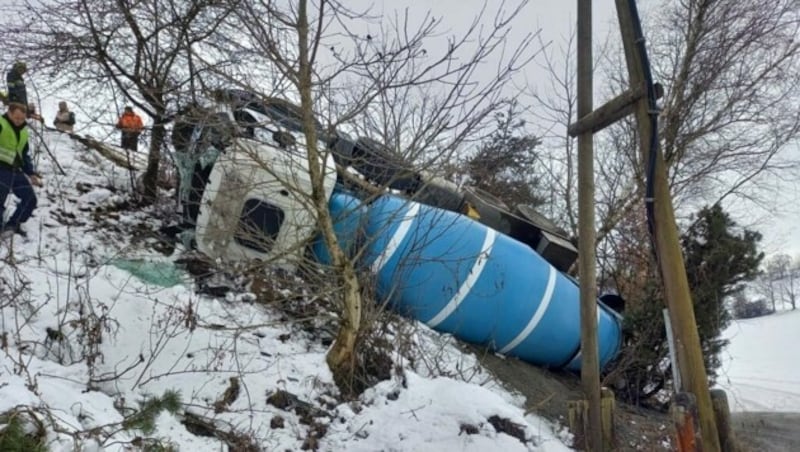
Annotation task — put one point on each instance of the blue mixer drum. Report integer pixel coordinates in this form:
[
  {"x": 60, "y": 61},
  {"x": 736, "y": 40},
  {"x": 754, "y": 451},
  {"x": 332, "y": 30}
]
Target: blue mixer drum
[{"x": 461, "y": 277}]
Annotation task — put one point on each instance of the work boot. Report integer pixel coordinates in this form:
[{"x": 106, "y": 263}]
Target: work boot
[
  {"x": 7, "y": 231},
  {"x": 20, "y": 232}
]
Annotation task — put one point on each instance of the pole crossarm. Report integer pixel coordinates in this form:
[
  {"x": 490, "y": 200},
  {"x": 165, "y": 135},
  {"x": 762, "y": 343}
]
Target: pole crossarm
[{"x": 611, "y": 112}]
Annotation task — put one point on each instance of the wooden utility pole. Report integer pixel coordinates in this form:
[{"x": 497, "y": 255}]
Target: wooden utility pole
[
  {"x": 668, "y": 250},
  {"x": 590, "y": 362}
]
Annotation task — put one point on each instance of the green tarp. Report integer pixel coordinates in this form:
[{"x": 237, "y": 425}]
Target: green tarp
[{"x": 157, "y": 273}]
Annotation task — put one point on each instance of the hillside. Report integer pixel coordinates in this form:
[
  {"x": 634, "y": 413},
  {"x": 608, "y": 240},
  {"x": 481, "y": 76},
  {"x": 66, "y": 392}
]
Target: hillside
[
  {"x": 86, "y": 340},
  {"x": 760, "y": 370},
  {"x": 761, "y": 375},
  {"x": 99, "y": 314}
]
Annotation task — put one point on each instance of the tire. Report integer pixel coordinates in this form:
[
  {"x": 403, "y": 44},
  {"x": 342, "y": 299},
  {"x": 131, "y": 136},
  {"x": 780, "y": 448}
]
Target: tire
[
  {"x": 440, "y": 193},
  {"x": 542, "y": 222},
  {"x": 383, "y": 167},
  {"x": 341, "y": 146},
  {"x": 558, "y": 249}
]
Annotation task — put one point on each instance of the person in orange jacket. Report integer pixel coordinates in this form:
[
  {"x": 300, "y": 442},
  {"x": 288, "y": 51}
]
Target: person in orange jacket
[{"x": 131, "y": 126}]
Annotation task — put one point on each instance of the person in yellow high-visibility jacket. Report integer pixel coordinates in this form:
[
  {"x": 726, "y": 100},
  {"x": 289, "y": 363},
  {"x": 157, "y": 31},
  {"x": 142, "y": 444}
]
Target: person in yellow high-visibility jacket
[{"x": 17, "y": 174}]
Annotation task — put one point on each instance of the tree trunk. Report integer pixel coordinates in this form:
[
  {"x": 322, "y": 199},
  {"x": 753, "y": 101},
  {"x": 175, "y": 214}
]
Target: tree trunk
[
  {"x": 772, "y": 295},
  {"x": 341, "y": 357},
  {"x": 150, "y": 177}
]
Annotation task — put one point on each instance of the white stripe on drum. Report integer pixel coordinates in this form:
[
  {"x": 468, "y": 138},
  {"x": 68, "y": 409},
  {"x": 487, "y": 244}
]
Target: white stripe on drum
[
  {"x": 397, "y": 238},
  {"x": 577, "y": 356},
  {"x": 574, "y": 360},
  {"x": 472, "y": 277},
  {"x": 537, "y": 316}
]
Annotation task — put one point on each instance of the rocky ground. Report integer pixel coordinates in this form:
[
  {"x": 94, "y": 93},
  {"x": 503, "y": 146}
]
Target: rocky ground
[
  {"x": 637, "y": 429},
  {"x": 548, "y": 394}
]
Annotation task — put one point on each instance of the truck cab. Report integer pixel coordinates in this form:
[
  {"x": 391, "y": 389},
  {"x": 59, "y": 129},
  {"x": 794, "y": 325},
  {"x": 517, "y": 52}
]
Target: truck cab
[{"x": 250, "y": 182}]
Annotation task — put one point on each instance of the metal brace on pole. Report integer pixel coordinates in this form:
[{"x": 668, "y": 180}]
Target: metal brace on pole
[{"x": 676, "y": 374}]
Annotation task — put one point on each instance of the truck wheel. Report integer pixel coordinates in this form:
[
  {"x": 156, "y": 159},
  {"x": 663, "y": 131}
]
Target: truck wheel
[
  {"x": 382, "y": 166},
  {"x": 541, "y": 221}
]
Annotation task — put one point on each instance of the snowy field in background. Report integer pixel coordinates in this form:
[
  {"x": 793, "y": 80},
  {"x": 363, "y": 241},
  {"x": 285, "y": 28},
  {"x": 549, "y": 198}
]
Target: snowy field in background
[
  {"x": 148, "y": 349},
  {"x": 761, "y": 366}
]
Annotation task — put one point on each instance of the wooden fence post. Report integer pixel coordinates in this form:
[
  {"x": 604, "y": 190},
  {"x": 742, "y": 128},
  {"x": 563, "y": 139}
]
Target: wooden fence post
[
  {"x": 578, "y": 418},
  {"x": 722, "y": 411},
  {"x": 607, "y": 408}
]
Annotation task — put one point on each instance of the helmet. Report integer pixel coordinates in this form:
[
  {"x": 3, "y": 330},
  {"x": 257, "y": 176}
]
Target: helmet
[{"x": 20, "y": 66}]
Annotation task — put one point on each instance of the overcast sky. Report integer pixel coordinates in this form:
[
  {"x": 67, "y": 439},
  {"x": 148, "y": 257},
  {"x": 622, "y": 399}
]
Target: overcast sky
[{"x": 555, "y": 20}]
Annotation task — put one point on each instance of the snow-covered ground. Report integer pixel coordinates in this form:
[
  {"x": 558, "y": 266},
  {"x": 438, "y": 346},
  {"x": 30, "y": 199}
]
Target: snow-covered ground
[
  {"x": 761, "y": 366},
  {"x": 83, "y": 342},
  {"x": 64, "y": 305}
]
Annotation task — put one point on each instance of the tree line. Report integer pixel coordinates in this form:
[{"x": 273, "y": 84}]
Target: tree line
[{"x": 776, "y": 288}]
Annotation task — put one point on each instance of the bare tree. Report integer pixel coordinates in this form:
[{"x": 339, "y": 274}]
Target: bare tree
[
  {"x": 139, "y": 49},
  {"x": 784, "y": 276},
  {"x": 386, "y": 85},
  {"x": 793, "y": 289},
  {"x": 554, "y": 106},
  {"x": 730, "y": 69},
  {"x": 618, "y": 176},
  {"x": 767, "y": 286}
]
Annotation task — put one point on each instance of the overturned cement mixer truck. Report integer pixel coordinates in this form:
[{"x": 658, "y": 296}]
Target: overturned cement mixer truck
[{"x": 455, "y": 259}]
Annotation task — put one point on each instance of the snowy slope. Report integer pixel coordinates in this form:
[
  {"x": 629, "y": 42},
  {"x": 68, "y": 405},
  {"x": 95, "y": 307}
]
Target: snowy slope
[
  {"x": 63, "y": 306},
  {"x": 761, "y": 369}
]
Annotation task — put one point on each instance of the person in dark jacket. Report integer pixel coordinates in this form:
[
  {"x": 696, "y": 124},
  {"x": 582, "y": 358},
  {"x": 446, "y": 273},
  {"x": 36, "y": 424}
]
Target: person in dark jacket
[
  {"x": 17, "y": 174},
  {"x": 17, "y": 92}
]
